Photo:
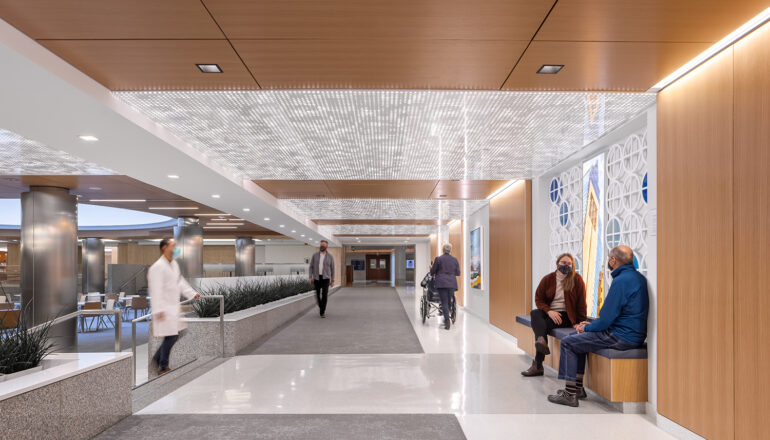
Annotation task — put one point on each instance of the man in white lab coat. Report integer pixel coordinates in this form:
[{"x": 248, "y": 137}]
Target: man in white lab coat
[{"x": 166, "y": 285}]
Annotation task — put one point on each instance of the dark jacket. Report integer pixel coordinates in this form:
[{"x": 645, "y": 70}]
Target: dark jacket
[
  {"x": 445, "y": 271},
  {"x": 626, "y": 306},
  {"x": 328, "y": 269},
  {"x": 574, "y": 300}
]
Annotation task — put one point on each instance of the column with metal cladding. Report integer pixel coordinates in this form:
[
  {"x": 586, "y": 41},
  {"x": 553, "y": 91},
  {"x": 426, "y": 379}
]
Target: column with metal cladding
[
  {"x": 188, "y": 235},
  {"x": 49, "y": 259},
  {"x": 244, "y": 257},
  {"x": 93, "y": 265}
]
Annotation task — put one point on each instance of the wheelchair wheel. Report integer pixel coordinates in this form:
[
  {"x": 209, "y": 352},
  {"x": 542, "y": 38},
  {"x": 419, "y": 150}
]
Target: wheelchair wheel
[
  {"x": 453, "y": 311},
  {"x": 424, "y": 309}
]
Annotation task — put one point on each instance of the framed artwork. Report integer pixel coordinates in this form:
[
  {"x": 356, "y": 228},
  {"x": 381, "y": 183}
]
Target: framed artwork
[
  {"x": 476, "y": 259},
  {"x": 410, "y": 264},
  {"x": 593, "y": 233}
]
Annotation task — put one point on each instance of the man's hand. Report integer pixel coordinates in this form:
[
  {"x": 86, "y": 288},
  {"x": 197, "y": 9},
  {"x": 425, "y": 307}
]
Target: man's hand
[
  {"x": 311, "y": 280},
  {"x": 555, "y": 317},
  {"x": 580, "y": 328},
  {"x": 331, "y": 284},
  {"x": 160, "y": 316}
]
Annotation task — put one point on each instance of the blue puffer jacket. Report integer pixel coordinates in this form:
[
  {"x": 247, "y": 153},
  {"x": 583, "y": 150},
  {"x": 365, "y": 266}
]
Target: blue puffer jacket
[
  {"x": 626, "y": 306},
  {"x": 445, "y": 271}
]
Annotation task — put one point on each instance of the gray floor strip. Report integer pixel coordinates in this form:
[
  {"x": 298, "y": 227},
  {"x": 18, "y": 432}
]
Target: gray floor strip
[
  {"x": 367, "y": 320},
  {"x": 288, "y": 427}
]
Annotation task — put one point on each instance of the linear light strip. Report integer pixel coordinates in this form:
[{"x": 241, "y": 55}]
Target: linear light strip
[
  {"x": 501, "y": 189},
  {"x": 172, "y": 208},
  {"x": 220, "y": 227},
  {"x": 118, "y": 200},
  {"x": 719, "y": 46}
]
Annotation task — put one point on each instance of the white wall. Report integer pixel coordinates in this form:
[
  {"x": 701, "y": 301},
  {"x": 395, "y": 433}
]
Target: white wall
[
  {"x": 284, "y": 254},
  {"x": 422, "y": 262},
  {"x": 477, "y": 301}
]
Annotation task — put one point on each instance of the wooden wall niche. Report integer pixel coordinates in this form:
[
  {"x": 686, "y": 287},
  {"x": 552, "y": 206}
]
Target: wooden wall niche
[{"x": 458, "y": 251}]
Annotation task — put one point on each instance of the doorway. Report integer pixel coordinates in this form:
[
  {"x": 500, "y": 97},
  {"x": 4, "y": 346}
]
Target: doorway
[{"x": 378, "y": 268}]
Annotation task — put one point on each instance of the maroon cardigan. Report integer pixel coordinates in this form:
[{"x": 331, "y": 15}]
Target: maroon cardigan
[{"x": 574, "y": 300}]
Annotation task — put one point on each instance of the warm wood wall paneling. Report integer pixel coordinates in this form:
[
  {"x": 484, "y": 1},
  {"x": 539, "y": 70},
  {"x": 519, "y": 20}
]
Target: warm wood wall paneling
[
  {"x": 695, "y": 250},
  {"x": 510, "y": 257},
  {"x": 339, "y": 264},
  {"x": 751, "y": 211},
  {"x": 433, "y": 247},
  {"x": 458, "y": 251},
  {"x": 219, "y": 254}
]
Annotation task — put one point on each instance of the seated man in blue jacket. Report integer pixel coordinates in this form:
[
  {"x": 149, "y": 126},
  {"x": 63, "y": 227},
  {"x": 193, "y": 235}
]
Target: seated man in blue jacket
[{"x": 622, "y": 325}]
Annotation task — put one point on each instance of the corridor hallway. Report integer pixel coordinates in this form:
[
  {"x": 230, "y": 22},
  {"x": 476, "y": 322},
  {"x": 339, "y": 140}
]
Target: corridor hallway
[{"x": 345, "y": 381}]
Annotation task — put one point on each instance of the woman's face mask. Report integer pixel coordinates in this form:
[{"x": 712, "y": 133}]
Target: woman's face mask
[{"x": 564, "y": 268}]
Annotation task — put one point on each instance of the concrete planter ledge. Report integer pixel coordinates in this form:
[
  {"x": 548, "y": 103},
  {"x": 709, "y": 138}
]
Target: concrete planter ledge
[
  {"x": 242, "y": 328},
  {"x": 60, "y": 400}
]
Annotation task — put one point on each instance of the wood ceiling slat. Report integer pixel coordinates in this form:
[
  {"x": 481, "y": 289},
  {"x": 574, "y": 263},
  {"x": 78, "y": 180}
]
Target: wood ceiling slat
[
  {"x": 155, "y": 64},
  {"x": 628, "y": 66},
  {"x": 377, "y": 64},
  {"x": 380, "y": 19},
  {"x": 110, "y": 19},
  {"x": 649, "y": 20}
]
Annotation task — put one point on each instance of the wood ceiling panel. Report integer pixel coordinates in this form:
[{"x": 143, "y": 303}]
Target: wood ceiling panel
[
  {"x": 296, "y": 189},
  {"x": 110, "y": 19},
  {"x": 377, "y": 64},
  {"x": 155, "y": 64},
  {"x": 388, "y": 222},
  {"x": 91, "y": 188},
  {"x": 610, "y": 66},
  {"x": 381, "y": 189},
  {"x": 651, "y": 20},
  {"x": 356, "y": 19},
  {"x": 466, "y": 189}
]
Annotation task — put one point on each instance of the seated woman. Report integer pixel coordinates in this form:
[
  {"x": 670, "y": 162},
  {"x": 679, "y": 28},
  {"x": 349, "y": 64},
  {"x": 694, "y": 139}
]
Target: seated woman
[{"x": 561, "y": 302}]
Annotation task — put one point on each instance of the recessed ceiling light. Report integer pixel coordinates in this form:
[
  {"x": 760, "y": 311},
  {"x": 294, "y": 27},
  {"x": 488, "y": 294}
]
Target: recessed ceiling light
[
  {"x": 119, "y": 200},
  {"x": 293, "y": 231},
  {"x": 88, "y": 138},
  {"x": 172, "y": 208},
  {"x": 209, "y": 68},
  {"x": 216, "y": 196},
  {"x": 280, "y": 226},
  {"x": 302, "y": 235},
  {"x": 550, "y": 69},
  {"x": 268, "y": 239},
  {"x": 246, "y": 209},
  {"x": 267, "y": 219},
  {"x": 95, "y": 188},
  {"x": 173, "y": 176}
]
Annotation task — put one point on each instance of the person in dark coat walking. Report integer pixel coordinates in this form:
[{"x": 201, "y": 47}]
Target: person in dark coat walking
[{"x": 445, "y": 271}]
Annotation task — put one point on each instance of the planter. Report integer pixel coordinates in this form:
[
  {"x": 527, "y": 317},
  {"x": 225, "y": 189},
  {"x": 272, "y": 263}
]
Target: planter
[
  {"x": 4, "y": 377},
  {"x": 201, "y": 339}
]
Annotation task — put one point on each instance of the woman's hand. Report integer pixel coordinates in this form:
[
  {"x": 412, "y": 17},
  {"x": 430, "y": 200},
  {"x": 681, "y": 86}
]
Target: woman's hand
[{"x": 555, "y": 317}]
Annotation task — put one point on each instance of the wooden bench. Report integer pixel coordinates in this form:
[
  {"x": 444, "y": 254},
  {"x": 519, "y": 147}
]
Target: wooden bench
[{"x": 616, "y": 375}]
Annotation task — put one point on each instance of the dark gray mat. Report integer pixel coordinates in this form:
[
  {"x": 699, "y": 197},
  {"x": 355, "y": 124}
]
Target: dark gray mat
[
  {"x": 288, "y": 427},
  {"x": 367, "y": 320}
]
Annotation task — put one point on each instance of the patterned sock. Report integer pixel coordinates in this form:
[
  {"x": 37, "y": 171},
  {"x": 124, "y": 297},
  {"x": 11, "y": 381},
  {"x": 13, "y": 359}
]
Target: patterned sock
[
  {"x": 579, "y": 382},
  {"x": 571, "y": 389}
]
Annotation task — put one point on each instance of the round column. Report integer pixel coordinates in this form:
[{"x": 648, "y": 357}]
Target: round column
[
  {"x": 244, "y": 257},
  {"x": 49, "y": 259},
  {"x": 93, "y": 265},
  {"x": 188, "y": 235}
]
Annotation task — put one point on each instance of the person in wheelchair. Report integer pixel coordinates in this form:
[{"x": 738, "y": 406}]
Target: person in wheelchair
[
  {"x": 445, "y": 271},
  {"x": 561, "y": 302}
]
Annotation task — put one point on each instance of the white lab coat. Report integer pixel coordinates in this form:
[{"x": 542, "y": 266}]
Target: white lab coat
[{"x": 166, "y": 285}]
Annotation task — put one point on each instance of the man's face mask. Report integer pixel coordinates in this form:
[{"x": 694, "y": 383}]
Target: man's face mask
[
  {"x": 323, "y": 248},
  {"x": 177, "y": 252}
]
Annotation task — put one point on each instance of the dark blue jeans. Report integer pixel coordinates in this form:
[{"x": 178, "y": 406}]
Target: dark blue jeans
[
  {"x": 572, "y": 360},
  {"x": 164, "y": 351},
  {"x": 446, "y": 296}
]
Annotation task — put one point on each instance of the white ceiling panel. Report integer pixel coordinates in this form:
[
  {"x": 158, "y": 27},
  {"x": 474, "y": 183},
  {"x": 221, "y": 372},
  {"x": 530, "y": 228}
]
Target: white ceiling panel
[
  {"x": 336, "y": 209},
  {"x": 384, "y": 229},
  {"x": 387, "y": 134}
]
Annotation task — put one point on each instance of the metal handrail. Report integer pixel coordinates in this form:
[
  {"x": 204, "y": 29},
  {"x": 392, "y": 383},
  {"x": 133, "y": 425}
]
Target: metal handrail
[
  {"x": 132, "y": 278},
  {"x": 145, "y": 317},
  {"x": 67, "y": 317}
]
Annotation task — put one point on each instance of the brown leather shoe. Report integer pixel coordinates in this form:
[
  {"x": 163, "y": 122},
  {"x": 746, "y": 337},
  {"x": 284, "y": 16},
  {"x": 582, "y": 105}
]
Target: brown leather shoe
[
  {"x": 533, "y": 371},
  {"x": 542, "y": 346}
]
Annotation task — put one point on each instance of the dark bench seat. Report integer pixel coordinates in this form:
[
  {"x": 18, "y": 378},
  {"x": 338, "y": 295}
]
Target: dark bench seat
[
  {"x": 617, "y": 375},
  {"x": 561, "y": 333}
]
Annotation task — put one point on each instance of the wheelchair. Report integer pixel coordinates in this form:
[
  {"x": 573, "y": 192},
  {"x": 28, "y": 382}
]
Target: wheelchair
[{"x": 430, "y": 303}]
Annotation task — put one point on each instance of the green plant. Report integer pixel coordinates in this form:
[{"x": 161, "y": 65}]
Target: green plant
[
  {"x": 22, "y": 348},
  {"x": 247, "y": 294}
]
